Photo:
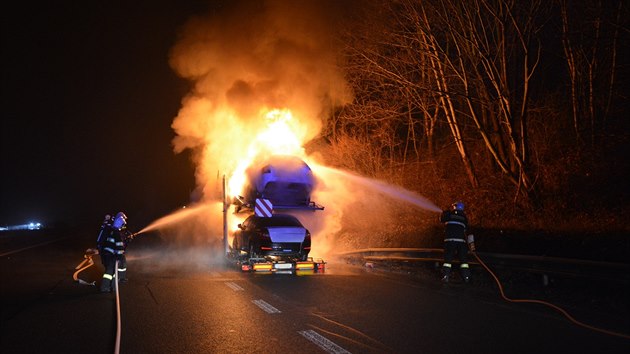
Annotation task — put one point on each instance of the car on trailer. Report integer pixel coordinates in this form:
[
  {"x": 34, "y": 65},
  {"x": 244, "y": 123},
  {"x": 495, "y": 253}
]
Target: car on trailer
[
  {"x": 279, "y": 237},
  {"x": 286, "y": 181}
]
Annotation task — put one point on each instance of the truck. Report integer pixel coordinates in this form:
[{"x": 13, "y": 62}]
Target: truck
[{"x": 274, "y": 242}]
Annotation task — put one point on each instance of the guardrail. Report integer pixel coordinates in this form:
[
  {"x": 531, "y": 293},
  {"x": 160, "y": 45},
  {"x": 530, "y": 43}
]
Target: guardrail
[{"x": 568, "y": 267}]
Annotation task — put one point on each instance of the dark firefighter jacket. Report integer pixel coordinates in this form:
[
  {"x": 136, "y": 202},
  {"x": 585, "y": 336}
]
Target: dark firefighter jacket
[
  {"x": 456, "y": 224},
  {"x": 114, "y": 243}
]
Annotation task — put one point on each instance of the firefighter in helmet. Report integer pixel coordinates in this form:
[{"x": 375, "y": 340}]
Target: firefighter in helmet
[
  {"x": 456, "y": 223},
  {"x": 114, "y": 250}
]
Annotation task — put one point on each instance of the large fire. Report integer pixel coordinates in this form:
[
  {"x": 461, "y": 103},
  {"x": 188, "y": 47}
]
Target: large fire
[
  {"x": 265, "y": 77},
  {"x": 281, "y": 134}
]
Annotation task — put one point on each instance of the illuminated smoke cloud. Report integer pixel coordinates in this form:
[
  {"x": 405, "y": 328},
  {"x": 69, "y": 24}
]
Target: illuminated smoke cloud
[
  {"x": 244, "y": 60},
  {"x": 250, "y": 57}
]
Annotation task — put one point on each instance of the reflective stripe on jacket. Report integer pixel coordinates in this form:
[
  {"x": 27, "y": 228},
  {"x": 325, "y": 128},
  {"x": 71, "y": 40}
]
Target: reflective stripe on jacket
[{"x": 114, "y": 244}]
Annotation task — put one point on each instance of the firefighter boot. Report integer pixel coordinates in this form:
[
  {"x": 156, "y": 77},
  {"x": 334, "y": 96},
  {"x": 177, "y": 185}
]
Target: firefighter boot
[
  {"x": 465, "y": 269},
  {"x": 122, "y": 276},
  {"x": 105, "y": 286},
  {"x": 106, "y": 283},
  {"x": 446, "y": 272}
]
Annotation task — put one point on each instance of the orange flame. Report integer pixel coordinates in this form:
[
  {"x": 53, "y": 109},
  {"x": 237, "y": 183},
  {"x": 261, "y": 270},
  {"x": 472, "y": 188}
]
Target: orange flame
[{"x": 282, "y": 135}]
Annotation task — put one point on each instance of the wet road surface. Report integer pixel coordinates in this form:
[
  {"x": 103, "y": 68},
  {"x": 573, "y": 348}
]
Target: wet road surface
[{"x": 183, "y": 299}]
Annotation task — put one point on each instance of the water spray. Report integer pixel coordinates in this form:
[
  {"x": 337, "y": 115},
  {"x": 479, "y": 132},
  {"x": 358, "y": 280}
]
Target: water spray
[
  {"x": 174, "y": 218},
  {"x": 388, "y": 189}
]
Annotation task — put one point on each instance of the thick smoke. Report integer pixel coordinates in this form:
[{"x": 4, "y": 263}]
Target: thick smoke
[
  {"x": 254, "y": 56},
  {"x": 244, "y": 60}
]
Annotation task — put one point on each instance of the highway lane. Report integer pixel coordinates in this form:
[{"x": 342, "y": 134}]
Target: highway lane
[{"x": 185, "y": 300}]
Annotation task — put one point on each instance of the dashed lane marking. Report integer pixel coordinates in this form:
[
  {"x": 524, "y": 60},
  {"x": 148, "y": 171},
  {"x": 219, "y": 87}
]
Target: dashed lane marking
[
  {"x": 234, "y": 286},
  {"x": 323, "y": 342},
  {"x": 265, "y": 306}
]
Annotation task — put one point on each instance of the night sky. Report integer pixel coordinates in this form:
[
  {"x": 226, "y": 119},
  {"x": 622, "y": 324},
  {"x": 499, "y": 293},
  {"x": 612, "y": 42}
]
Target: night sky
[{"x": 88, "y": 98}]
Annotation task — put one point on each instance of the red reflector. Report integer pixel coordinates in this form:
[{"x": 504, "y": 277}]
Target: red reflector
[{"x": 266, "y": 248}]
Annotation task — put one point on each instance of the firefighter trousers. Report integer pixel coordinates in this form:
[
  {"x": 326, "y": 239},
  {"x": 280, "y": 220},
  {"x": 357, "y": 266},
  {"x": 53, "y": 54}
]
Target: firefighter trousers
[
  {"x": 110, "y": 270},
  {"x": 459, "y": 248}
]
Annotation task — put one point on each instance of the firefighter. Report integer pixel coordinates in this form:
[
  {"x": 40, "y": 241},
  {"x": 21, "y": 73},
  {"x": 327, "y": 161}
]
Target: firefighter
[
  {"x": 114, "y": 250},
  {"x": 456, "y": 223},
  {"x": 106, "y": 228}
]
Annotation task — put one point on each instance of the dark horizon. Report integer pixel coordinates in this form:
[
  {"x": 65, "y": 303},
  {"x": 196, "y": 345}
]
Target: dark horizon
[{"x": 88, "y": 98}]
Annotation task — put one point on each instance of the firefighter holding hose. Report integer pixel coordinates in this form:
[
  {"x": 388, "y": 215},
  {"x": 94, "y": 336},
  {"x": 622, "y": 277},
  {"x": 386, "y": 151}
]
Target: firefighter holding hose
[
  {"x": 114, "y": 250},
  {"x": 456, "y": 223}
]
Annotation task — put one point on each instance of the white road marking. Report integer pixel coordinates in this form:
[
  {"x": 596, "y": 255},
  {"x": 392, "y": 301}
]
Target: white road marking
[
  {"x": 234, "y": 286},
  {"x": 323, "y": 342},
  {"x": 265, "y": 306}
]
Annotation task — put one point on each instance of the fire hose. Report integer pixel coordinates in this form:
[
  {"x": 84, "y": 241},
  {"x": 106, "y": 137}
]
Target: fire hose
[
  {"x": 81, "y": 267},
  {"x": 471, "y": 244},
  {"x": 89, "y": 253},
  {"x": 90, "y": 262},
  {"x": 118, "y": 320}
]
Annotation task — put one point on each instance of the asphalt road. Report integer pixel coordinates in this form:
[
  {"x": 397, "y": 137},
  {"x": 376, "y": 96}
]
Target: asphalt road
[{"x": 183, "y": 299}]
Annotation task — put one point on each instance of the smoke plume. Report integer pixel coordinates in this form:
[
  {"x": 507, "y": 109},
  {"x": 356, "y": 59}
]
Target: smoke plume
[
  {"x": 242, "y": 61},
  {"x": 250, "y": 57}
]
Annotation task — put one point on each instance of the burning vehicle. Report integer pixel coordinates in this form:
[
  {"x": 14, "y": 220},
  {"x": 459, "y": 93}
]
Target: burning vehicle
[
  {"x": 274, "y": 244},
  {"x": 270, "y": 240},
  {"x": 286, "y": 181},
  {"x": 280, "y": 236}
]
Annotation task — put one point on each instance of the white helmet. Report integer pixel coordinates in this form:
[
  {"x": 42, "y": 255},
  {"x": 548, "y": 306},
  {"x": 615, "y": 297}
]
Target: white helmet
[{"x": 120, "y": 220}]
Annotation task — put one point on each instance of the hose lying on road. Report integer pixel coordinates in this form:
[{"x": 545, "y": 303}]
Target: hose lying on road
[
  {"x": 562, "y": 311},
  {"x": 88, "y": 259}
]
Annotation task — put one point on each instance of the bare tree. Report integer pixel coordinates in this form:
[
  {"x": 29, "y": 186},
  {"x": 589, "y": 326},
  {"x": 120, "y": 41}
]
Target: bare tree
[
  {"x": 590, "y": 39},
  {"x": 471, "y": 60},
  {"x": 442, "y": 74},
  {"x": 494, "y": 56}
]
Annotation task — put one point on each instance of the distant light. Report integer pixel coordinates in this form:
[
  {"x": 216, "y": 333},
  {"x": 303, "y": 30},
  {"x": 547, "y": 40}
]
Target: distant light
[
  {"x": 34, "y": 226},
  {"x": 29, "y": 226}
]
